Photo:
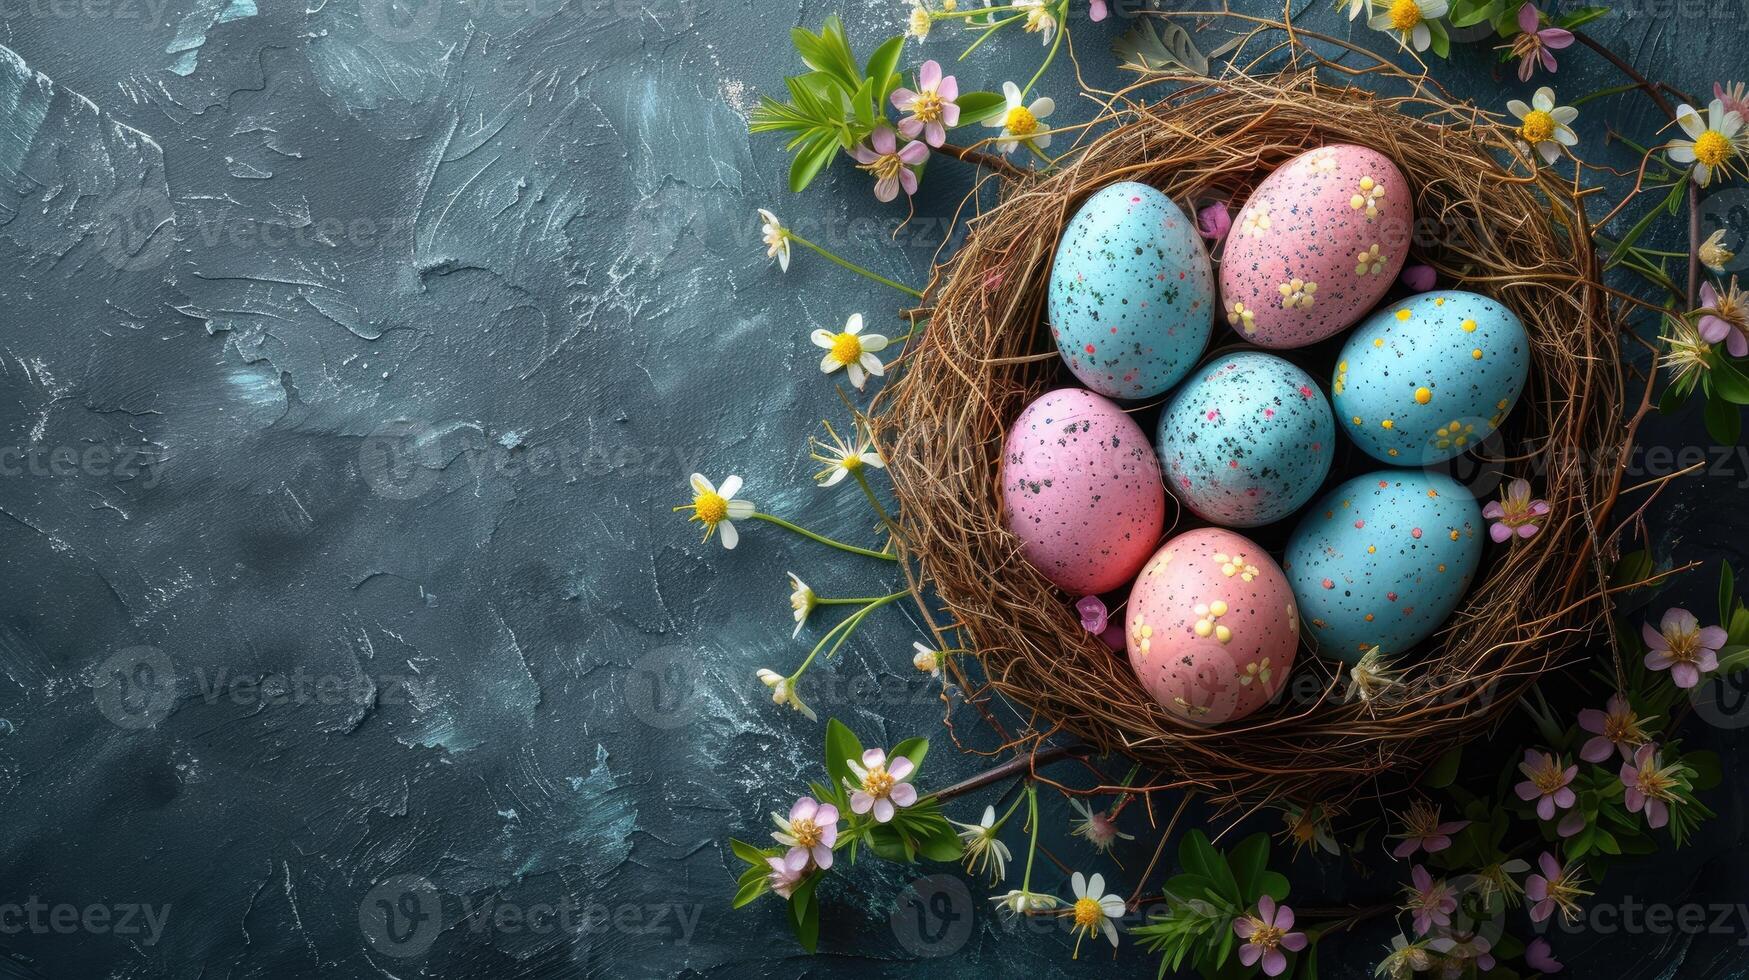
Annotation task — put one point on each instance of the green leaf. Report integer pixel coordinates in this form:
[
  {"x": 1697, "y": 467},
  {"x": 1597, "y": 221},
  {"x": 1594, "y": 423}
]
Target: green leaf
[
  {"x": 1632, "y": 568},
  {"x": 1145, "y": 50},
  {"x": 975, "y": 107},
  {"x": 1248, "y": 862},
  {"x": 912, "y": 748},
  {"x": 1188, "y": 885},
  {"x": 882, "y": 68},
  {"x": 1675, "y": 395},
  {"x": 812, "y": 159},
  {"x": 1275, "y": 885},
  {"x": 805, "y": 913},
  {"x": 748, "y": 853},
  {"x": 753, "y": 883},
  {"x": 1732, "y": 659},
  {"x": 842, "y": 745},
  {"x": 937, "y": 840},
  {"x": 1445, "y": 769},
  {"x": 1605, "y": 841},
  {"x": 829, "y": 52},
  {"x": 1729, "y": 383},
  {"x": 1469, "y": 13},
  {"x": 1440, "y": 41}
]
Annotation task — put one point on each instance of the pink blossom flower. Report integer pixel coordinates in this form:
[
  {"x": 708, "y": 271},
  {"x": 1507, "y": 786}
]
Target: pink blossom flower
[
  {"x": 1541, "y": 958},
  {"x": 1725, "y": 316},
  {"x": 1094, "y": 618},
  {"x": 1431, "y": 903},
  {"x": 1266, "y": 935},
  {"x": 1419, "y": 278},
  {"x": 1215, "y": 221},
  {"x": 1514, "y": 514},
  {"x": 1614, "y": 728},
  {"x": 1735, "y": 97},
  {"x": 890, "y": 165},
  {"x": 1097, "y": 11},
  {"x": 1535, "y": 43},
  {"x": 810, "y": 832},
  {"x": 932, "y": 108},
  {"x": 1556, "y": 888},
  {"x": 1548, "y": 783},
  {"x": 1424, "y": 831},
  {"x": 1570, "y": 824},
  {"x": 1681, "y": 646},
  {"x": 783, "y": 879},
  {"x": 881, "y": 787},
  {"x": 1460, "y": 953},
  {"x": 1650, "y": 788}
]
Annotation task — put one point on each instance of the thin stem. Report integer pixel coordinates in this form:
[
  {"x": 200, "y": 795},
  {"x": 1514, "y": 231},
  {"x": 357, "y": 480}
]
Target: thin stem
[
  {"x": 841, "y": 546},
  {"x": 860, "y": 601},
  {"x": 1024, "y": 761},
  {"x": 1640, "y": 81},
  {"x": 842, "y": 630},
  {"x": 1032, "y": 845},
  {"x": 868, "y": 491},
  {"x": 1693, "y": 244},
  {"x": 988, "y": 30},
  {"x": 988, "y": 161},
  {"x": 853, "y": 267}
]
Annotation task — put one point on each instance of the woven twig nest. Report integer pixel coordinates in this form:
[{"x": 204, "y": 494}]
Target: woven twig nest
[{"x": 1506, "y": 229}]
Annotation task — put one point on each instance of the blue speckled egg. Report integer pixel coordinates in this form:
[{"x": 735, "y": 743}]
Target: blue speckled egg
[
  {"x": 1382, "y": 561},
  {"x": 1131, "y": 293},
  {"x": 1423, "y": 380},
  {"x": 1247, "y": 441}
]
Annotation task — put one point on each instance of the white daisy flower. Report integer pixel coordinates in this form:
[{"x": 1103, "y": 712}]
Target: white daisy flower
[
  {"x": 1039, "y": 19},
  {"x": 852, "y": 350},
  {"x": 1415, "y": 22},
  {"x": 717, "y": 509},
  {"x": 783, "y": 692},
  {"x": 925, "y": 659},
  {"x": 1021, "y": 902},
  {"x": 1544, "y": 126},
  {"x": 842, "y": 459},
  {"x": 802, "y": 601},
  {"x": 1712, "y": 144},
  {"x": 1093, "y": 909},
  {"x": 1020, "y": 122},
  {"x": 776, "y": 238},
  {"x": 985, "y": 852}
]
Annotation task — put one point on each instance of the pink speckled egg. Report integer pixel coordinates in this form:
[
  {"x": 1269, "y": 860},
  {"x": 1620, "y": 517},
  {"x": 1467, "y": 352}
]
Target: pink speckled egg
[
  {"x": 1081, "y": 489},
  {"x": 1212, "y": 627},
  {"x": 1316, "y": 246}
]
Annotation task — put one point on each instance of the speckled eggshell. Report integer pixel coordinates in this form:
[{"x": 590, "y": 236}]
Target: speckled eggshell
[
  {"x": 1247, "y": 441},
  {"x": 1382, "y": 561},
  {"x": 1423, "y": 380},
  {"x": 1081, "y": 490},
  {"x": 1132, "y": 293},
  {"x": 1212, "y": 627},
  {"x": 1299, "y": 265}
]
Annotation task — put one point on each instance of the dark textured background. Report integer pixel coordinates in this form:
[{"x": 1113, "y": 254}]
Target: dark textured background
[{"x": 350, "y": 362}]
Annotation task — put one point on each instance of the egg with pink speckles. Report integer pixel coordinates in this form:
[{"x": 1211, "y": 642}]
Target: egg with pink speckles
[
  {"x": 1316, "y": 246},
  {"x": 1212, "y": 627},
  {"x": 1132, "y": 293},
  {"x": 1383, "y": 560},
  {"x": 1081, "y": 489},
  {"x": 1246, "y": 441}
]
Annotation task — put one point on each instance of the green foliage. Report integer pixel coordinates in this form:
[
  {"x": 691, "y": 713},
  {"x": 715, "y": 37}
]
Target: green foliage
[
  {"x": 1211, "y": 889},
  {"x": 838, "y": 101}
]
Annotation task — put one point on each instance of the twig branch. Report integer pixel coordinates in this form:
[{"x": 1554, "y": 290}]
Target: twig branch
[
  {"x": 1026, "y": 761},
  {"x": 979, "y": 158}
]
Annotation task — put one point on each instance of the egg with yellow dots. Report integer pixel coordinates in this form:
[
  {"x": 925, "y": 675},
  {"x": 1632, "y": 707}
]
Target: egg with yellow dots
[
  {"x": 1211, "y": 628},
  {"x": 1427, "y": 379}
]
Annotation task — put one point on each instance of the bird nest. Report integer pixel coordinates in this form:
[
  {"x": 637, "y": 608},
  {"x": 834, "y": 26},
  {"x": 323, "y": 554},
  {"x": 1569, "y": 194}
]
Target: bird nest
[{"x": 1499, "y": 225}]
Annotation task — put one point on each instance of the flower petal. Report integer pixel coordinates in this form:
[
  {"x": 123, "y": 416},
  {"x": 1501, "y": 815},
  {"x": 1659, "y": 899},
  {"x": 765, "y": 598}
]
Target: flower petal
[
  {"x": 730, "y": 487},
  {"x": 731, "y": 537}
]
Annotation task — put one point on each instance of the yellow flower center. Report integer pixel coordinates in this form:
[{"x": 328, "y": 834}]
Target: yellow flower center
[
  {"x": 846, "y": 349},
  {"x": 884, "y": 167},
  {"x": 927, "y": 107},
  {"x": 709, "y": 507},
  {"x": 1549, "y": 779},
  {"x": 806, "y": 832},
  {"x": 1622, "y": 728},
  {"x": 851, "y": 463},
  {"x": 1655, "y": 783},
  {"x": 1021, "y": 122},
  {"x": 1712, "y": 148},
  {"x": 1405, "y": 15},
  {"x": 1265, "y": 937},
  {"x": 1539, "y": 127},
  {"x": 1087, "y": 913},
  {"x": 1684, "y": 645},
  {"x": 878, "y": 783}
]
